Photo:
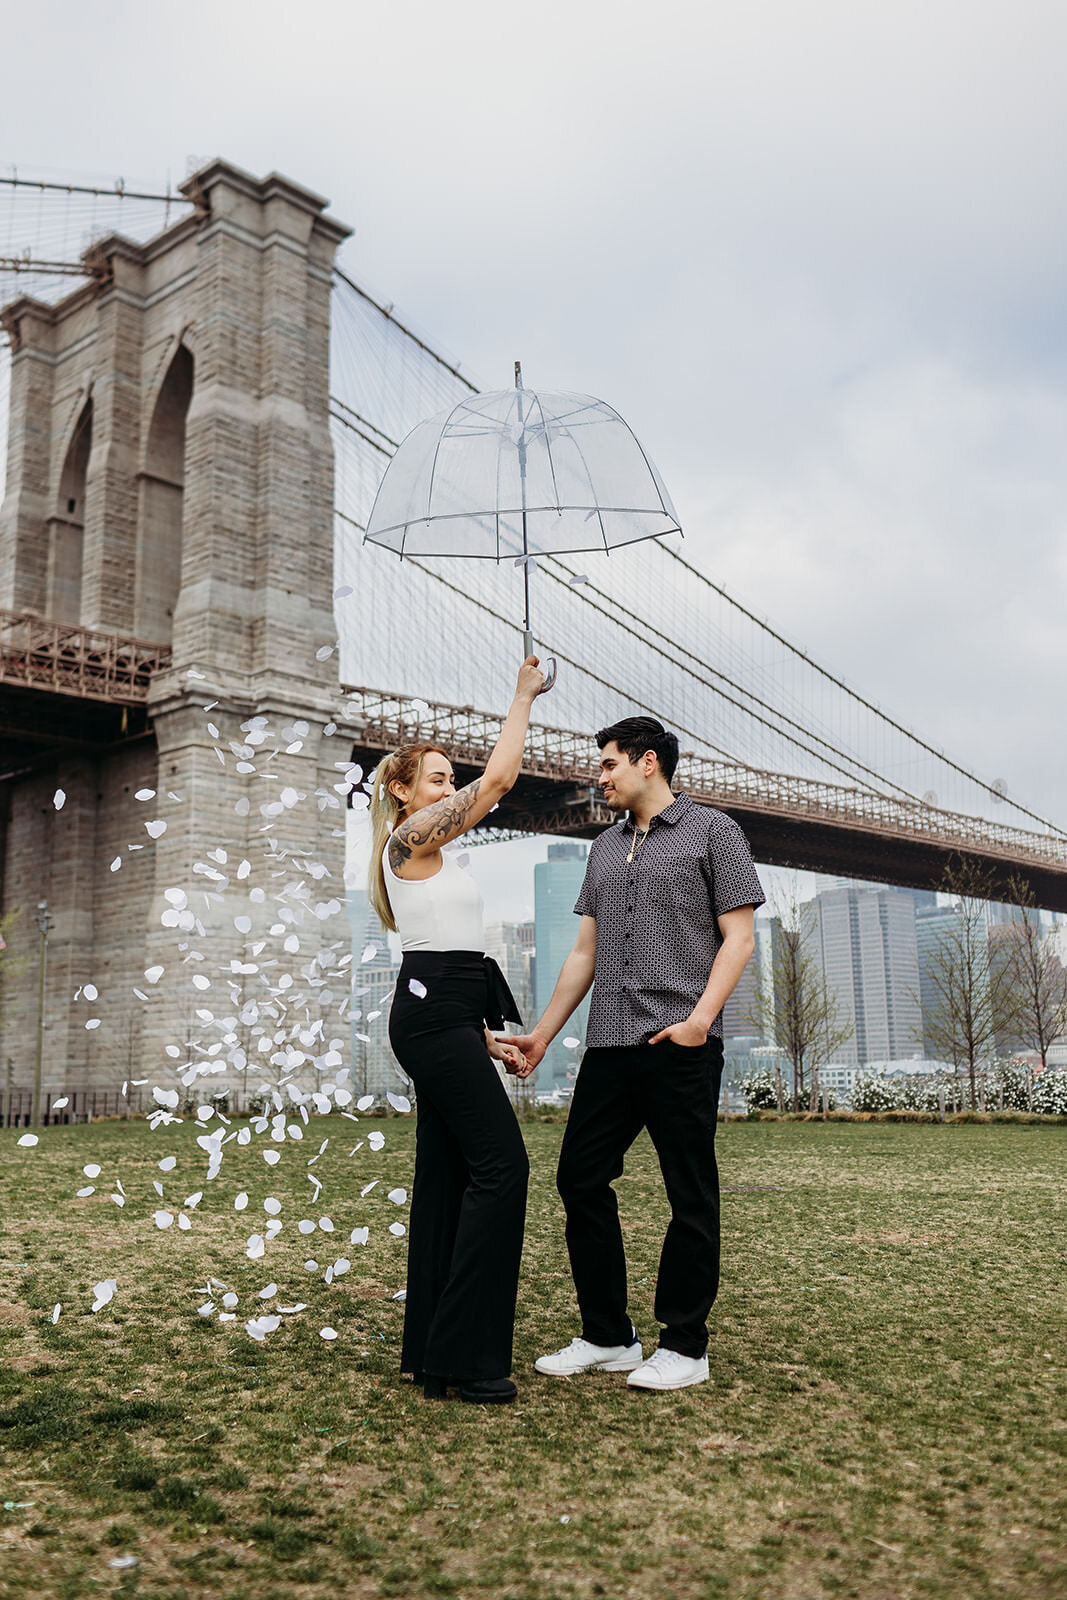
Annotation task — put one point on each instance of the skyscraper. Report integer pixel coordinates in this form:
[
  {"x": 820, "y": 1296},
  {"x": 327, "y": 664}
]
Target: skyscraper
[
  {"x": 556, "y": 885},
  {"x": 865, "y": 939}
]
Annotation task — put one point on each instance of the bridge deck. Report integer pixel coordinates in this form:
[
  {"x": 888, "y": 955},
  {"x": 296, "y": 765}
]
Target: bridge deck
[
  {"x": 65, "y": 658},
  {"x": 790, "y": 821}
]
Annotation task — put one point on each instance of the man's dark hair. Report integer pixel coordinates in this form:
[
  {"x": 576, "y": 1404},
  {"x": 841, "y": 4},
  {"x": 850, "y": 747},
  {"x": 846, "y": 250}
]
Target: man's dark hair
[{"x": 635, "y": 735}]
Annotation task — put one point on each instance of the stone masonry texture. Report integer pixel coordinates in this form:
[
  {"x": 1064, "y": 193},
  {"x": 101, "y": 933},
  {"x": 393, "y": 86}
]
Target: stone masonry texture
[{"x": 243, "y": 286}]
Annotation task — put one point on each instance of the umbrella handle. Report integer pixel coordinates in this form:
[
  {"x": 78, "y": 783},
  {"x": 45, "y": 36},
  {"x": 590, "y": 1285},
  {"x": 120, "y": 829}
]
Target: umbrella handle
[{"x": 528, "y": 649}]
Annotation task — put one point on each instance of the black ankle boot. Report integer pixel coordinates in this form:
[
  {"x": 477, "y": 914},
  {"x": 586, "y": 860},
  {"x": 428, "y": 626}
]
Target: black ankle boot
[
  {"x": 487, "y": 1391},
  {"x": 434, "y": 1388}
]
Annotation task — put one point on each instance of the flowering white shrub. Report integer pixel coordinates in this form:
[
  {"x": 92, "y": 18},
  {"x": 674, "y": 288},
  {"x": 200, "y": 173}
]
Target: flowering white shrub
[
  {"x": 1008, "y": 1085},
  {"x": 759, "y": 1091},
  {"x": 873, "y": 1092},
  {"x": 1050, "y": 1093}
]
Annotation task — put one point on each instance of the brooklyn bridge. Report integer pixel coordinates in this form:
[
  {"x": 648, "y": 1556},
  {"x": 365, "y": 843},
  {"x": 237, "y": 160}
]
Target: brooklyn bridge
[{"x": 201, "y": 662}]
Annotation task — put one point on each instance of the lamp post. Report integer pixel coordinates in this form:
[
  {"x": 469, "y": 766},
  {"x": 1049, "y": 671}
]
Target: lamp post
[{"x": 42, "y": 923}]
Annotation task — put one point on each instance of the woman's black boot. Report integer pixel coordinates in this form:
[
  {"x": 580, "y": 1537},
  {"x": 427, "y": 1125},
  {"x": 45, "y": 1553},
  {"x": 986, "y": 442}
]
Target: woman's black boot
[
  {"x": 434, "y": 1388},
  {"x": 487, "y": 1391}
]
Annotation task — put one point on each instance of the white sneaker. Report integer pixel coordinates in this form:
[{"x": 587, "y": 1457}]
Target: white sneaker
[
  {"x": 667, "y": 1369},
  {"x": 581, "y": 1356}
]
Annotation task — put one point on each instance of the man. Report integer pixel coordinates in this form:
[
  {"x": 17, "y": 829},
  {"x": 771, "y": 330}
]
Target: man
[{"x": 667, "y": 927}]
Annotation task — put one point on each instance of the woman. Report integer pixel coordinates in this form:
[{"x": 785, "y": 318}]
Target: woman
[{"x": 468, "y": 1200}]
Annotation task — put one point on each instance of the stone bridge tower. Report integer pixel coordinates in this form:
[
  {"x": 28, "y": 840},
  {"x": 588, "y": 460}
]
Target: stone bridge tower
[{"x": 170, "y": 479}]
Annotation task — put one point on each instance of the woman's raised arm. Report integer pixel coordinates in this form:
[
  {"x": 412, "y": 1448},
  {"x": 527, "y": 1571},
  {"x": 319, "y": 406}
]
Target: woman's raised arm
[{"x": 448, "y": 819}]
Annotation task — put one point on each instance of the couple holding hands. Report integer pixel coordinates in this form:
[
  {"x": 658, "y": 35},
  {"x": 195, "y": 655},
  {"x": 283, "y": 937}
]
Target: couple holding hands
[{"x": 666, "y": 929}]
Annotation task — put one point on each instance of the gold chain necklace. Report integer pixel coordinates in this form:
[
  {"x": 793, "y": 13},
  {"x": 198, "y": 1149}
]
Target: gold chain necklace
[{"x": 635, "y": 847}]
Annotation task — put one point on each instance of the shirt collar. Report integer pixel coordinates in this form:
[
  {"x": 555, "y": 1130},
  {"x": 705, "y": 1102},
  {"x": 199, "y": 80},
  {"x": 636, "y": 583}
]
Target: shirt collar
[{"x": 670, "y": 814}]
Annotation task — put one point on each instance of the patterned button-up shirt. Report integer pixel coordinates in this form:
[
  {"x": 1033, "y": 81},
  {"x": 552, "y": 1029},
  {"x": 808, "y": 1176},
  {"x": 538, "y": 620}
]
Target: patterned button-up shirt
[{"x": 657, "y": 931}]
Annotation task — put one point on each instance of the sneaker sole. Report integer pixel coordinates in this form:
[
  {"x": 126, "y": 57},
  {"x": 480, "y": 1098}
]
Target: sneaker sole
[
  {"x": 626, "y": 1364},
  {"x": 683, "y": 1383}
]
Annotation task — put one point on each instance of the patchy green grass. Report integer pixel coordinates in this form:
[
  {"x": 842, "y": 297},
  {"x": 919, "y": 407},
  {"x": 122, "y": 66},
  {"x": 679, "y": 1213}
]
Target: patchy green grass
[{"x": 884, "y": 1416}]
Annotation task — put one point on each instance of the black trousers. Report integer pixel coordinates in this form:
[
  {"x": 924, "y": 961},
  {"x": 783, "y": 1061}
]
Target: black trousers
[
  {"x": 468, "y": 1197},
  {"x": 673, "y": 1091}
]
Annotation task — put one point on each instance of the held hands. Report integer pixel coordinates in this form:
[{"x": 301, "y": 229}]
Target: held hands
[
  {"x": 687, "y": 1033},
  {"x": 512, "y": 1059},
  {"x": 530, "y": 1046},
  {"x": 530, "y": 682}
]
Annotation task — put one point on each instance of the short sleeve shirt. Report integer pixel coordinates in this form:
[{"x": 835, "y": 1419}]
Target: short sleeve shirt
[{"x": 657, "y": 931}]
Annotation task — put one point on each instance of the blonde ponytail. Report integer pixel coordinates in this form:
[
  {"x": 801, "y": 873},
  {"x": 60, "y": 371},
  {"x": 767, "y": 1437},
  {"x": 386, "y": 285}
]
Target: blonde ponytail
[{"x": 404, "y": 766}]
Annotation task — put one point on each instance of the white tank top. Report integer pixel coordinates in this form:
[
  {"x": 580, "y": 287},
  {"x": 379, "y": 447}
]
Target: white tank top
[{"x": 439, "y": 913}]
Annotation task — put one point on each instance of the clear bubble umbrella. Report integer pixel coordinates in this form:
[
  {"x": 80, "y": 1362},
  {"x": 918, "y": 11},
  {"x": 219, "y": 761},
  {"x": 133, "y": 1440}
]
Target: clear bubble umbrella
[{"x": 518, "y": 473}]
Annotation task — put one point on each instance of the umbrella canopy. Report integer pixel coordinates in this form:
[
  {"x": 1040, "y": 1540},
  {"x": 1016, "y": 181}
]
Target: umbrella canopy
[{"x": 518, "y": 472}]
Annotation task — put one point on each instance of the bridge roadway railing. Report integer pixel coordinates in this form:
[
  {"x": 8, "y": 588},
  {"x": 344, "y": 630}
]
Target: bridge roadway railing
[
  {"x": 38, "y": 653},
  {"x": 564, "y": 756}
]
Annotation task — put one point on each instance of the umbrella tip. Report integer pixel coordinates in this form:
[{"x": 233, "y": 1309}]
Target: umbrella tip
[{"x": 518, "y": 374}]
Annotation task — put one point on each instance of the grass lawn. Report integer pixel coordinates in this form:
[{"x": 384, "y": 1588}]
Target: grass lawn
[{"x": 885, "y": 1416}]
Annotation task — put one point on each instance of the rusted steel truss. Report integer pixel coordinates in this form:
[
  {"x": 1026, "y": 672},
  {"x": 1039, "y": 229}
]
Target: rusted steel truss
[{"x": 36, "y": 653}]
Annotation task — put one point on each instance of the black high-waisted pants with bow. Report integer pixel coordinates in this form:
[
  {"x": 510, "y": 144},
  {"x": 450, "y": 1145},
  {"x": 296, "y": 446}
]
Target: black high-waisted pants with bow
[{"x": 468, "y": 1198}]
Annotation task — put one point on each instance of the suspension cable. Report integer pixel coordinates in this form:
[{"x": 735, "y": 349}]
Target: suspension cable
[
  {"x": 853, "y": 761},
  {"x": 839, "y": 683}
]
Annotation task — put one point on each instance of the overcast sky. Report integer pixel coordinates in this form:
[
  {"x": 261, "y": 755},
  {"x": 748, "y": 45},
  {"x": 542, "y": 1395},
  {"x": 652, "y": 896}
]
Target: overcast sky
[{"x": 816, "y": 255}]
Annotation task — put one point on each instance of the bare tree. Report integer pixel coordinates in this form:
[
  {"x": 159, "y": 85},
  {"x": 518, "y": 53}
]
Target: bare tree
[
  {"x": 967, "y": 992},
  {"x": 792, "y": 1004},
  {"x": 1032, "y": 977}
]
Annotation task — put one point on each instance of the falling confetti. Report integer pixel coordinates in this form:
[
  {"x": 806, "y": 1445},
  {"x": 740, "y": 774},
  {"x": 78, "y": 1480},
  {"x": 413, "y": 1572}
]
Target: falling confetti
[
  {"x": 59, "y": 799},
  {"x": 103, "y": 1293},
  {"x": 418, "y": 989},
  {"x": 28, "y": 1140},
  {"x": 259, "y": 1327}
]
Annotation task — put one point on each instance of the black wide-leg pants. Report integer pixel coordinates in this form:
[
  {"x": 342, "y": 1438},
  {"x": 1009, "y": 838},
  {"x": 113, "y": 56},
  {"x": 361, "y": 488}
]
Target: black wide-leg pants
[
  {"x": 468, "y": 1198},
  {"x": 673, "y": 1091}
]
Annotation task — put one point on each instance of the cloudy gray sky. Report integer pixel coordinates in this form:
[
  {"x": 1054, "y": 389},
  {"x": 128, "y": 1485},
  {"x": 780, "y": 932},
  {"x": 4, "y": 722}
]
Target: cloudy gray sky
[{"x": 815, "y": 255}]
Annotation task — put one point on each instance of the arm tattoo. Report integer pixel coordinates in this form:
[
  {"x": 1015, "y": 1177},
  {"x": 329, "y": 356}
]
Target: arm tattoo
[{"x": 433, "y": 825}]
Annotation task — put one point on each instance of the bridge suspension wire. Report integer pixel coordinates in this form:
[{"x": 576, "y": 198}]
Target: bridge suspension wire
[
  {"x": 762, "y": 697},
  {"x": 579, "y": 666},
  {"x": 386, "y": 311},
  {"x": 118, "y": 190},
  {"x": 867, "y": 705},
  {"x": 848, "y": 772}
]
